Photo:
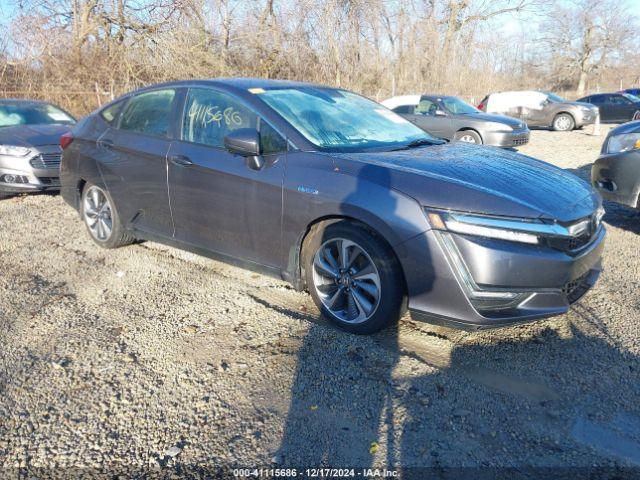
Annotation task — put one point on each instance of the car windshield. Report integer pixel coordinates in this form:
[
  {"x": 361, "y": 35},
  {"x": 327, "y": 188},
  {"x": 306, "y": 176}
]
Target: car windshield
[
  {"x": 555, "y": 98},
  {"x": 340, "y": 120},
  {"x": 457, "y": 106},
  {"x": 12, "y": 114},
  {"x": 633, "y": 98}
]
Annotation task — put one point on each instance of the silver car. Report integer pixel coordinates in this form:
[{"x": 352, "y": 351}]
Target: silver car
[
  {"x": 30, "y": 152},
  {"x": 541, "y": 109},
  {"x": 451, "y": 118}
]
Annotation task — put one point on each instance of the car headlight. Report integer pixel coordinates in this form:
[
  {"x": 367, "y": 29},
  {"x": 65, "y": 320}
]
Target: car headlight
[
  {"x": 623, "y": 143},
  {"x": 14, "y": 151},
  {"x": 507, "y": 228},
  {"x": 497, "y": 127}
]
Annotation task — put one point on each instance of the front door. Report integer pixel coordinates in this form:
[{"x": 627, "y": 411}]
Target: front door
[
  {"x": 133, "y": 161},
  {"x": 218, "y": 201},
  {"x": 429, "y": 116}
]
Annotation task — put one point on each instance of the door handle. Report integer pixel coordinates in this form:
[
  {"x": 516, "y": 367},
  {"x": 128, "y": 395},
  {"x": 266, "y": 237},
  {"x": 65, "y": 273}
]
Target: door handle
[
  {"x": 106, "y": 143},
  {"x": 180, "y": 160}
]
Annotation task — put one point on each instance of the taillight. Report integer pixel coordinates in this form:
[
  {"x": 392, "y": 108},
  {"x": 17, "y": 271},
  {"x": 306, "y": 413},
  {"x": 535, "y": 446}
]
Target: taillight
[
  {"x": 65, "y": 140},
  {"x": 481, "y": 106}
]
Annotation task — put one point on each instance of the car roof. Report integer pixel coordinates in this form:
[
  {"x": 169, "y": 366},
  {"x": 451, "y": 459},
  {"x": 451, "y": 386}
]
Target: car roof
[{"x": 243, "y": 83}]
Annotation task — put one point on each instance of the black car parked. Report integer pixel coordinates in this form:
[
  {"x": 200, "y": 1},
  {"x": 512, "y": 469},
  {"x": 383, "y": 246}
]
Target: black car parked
[
  {"x": 616, "y": 174},
  {"x": 337, "y": 194},
  {"x": 615, "y": 107}
]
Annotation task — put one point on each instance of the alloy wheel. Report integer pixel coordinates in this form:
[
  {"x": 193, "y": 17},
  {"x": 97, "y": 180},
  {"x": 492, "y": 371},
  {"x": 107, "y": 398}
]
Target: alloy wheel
[
  {"x": 98, "y": 214},
  {"x": 563, "y": 123},
  {"x": 346, "y": 280},
  {"x": 467, "y": 139}
]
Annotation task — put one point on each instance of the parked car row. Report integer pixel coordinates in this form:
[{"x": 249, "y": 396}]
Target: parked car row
[
  {"x": 451, "y": 118},
  {"x": 336, "y": 194}
]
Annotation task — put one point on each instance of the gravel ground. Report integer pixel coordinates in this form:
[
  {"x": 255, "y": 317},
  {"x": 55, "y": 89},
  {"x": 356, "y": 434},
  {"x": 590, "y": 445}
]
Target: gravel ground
[{"x": 147, "y": 357}]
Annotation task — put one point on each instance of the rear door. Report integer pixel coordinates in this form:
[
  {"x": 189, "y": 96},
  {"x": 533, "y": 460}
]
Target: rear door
[
  {"x": 133, "y": 160},
  {"x": 218, "y": 201}
]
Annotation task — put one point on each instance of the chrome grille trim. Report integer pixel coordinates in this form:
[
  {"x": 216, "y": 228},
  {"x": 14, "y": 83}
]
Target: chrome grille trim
[{"x": 46, "y": 161}]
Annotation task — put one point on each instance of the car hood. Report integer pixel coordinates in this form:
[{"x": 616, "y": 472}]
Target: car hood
[
  {"x": 629, "y": 127},
  {"x": 478, "y": 179},
  {"x": 32, "y": 135},
  {"x": 490, "y": 117}
]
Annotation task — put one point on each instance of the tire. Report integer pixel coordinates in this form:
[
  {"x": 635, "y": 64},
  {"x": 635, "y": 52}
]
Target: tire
[
  {"x": 467, "y": 136},
  {"x": 360, "y": 305},
  {"x": 563, "y": 122},
  {"x": 636, "y": 115},
  {"x": 101, "y": 218}
]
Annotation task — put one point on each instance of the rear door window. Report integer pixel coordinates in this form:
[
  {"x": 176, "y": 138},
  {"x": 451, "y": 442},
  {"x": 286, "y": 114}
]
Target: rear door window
[
  {"x": 149, "y": 113},
  {"x": 110, "y": 114}
]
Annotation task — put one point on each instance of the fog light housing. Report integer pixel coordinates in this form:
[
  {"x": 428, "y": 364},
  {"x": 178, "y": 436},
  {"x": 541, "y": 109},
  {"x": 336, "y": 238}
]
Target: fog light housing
[
  {"x": 10, "y": 178},
  {"x": 484, "y": 300}
]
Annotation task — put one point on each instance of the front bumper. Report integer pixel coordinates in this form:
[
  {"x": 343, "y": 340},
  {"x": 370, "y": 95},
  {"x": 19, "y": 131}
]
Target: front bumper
[
  {"x": 30, "y": 173},
  {"x": 617, "y": 177},
  {"x": 512, "y": 139},
  {"x": 545, "y": 280},
  {"x": 583, "y": 118}
]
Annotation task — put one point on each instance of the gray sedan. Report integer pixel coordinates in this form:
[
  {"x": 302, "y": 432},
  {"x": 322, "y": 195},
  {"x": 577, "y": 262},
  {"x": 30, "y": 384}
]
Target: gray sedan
[
  {"x": 451, "y": 118},
  {"x": 340, "y": 196},
  {"x": 616, "y": 174},
  {"x": 30, "y": 151}
]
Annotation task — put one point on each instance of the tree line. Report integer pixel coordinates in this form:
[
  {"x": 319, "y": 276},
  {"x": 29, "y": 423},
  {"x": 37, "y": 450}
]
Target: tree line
[{"x": 81, "y": 53}]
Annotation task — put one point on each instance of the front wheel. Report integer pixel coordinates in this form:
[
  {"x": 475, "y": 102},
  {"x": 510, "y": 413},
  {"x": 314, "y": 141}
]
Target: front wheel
[
  {"x": 468, "y": 136},
  {"x": 636, "y": 116},
  {"x": 353, "y": 277},
  {"x": 101, "y": 218},
  {"x": 563, "y": 123}
]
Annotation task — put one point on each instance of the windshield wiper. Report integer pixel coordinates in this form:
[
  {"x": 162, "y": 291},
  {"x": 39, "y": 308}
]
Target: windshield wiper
[{"x": 420, "y": 143}]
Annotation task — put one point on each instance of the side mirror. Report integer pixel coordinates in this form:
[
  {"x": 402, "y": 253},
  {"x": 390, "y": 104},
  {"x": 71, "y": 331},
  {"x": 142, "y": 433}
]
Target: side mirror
[
  {"x": 244, "y": 141},
  {"x": 440, "y": 113}
]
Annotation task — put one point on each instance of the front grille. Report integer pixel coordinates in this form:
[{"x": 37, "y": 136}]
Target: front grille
[
  {"x": 569, "y": 244},
  {"x": 575, "y": 289},
  {"x": 520, "y": 141},
  {"x": 46, "y": 161}
]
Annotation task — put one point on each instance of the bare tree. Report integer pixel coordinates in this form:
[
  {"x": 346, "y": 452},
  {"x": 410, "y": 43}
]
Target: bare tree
[{"x": 586, "y": 36}]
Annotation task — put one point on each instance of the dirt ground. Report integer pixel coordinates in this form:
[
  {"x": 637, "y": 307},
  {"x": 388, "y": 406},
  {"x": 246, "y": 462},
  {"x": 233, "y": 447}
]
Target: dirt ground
[{"x": 147, "y": 357}]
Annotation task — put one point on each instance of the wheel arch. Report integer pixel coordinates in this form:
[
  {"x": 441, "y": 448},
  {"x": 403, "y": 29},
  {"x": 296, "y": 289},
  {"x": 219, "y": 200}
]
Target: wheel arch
[
  {"x": 295, "y": 266},
  {"x": 471, "y": 129}
]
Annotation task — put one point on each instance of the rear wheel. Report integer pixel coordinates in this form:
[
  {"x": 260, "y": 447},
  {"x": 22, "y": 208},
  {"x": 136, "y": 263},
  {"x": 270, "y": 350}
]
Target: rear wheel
[
  {"x": 563, "y": 123},
  {"x": 353, "y": 277},
  {"x": 101, "y": 218},
  {"x": 636, "y": 116},
  {"x": 467, "y": 136}
]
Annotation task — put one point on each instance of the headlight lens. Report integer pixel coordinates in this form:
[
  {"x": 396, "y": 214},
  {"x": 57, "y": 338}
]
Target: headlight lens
[
  {"x": 497, "y": 127},
  {"x": 14, "y": 151},
  {"x": 623, "y": 143},
  {"x": 511, "y": 229}
]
